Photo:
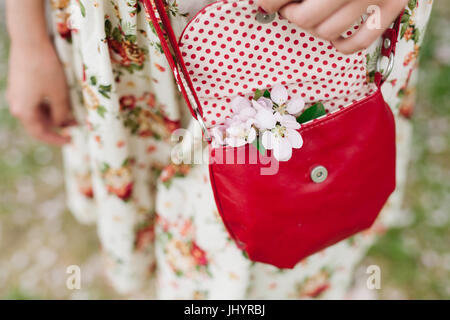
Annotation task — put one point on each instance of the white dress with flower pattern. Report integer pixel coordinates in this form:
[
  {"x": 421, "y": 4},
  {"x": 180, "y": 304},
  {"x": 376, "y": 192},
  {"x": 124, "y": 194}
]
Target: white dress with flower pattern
[{"x": 158, "y": 224}]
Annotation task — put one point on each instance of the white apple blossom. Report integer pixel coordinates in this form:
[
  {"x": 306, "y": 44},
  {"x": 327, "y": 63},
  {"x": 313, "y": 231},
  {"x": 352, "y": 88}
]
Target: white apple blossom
[
  {"x": 242, "y": 109},
  {"x": 240, "y": 133},
  {"x": 273, "y": 119},
  {"x": 283, "y": 137},
  {"x": 279, "y": 96},
  {"x": 266, "y": 103},
  {"x": 218, "y": 134},
  {"x": 264, "y": 118}
]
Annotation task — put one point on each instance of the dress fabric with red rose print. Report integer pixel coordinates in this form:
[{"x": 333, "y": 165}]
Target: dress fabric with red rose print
[{"x": 160, "y": 231}]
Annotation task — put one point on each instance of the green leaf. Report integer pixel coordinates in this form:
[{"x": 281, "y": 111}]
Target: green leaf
[
  {"x": 131, "y": 37},
  {"x": 108, "y": 28},
  {"x": 116, "y": 34},
  {"x": 416, "y": 35},
  {"x": 126, "y": 162},
  {"x": 93, "y": 80},
  {"x": 106, "y": 88},
  {"x": 258, "y": 94},
  {"x": 259, "y": 146},
  {"x": 403, "y": 30},
  {"x": 412, "y": 4},
  {"x": 405, "y": 17},
  {"x": 104, "y": 167},
  {"x": 313, "y": 112},
  {"x": 101, "y": 110},
  {"x": 83, "y": 9},
  {"x": 105, "y": 94}
]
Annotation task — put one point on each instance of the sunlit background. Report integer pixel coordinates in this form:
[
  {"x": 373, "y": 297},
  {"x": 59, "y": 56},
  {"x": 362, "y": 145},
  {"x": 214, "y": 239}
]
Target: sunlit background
[{"x": 39, "y": 238}]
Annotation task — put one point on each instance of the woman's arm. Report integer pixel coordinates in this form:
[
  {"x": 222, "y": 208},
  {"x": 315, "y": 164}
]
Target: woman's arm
[
  {"x": 26, "y": 22},
  {"x": 37, "y": 88},
  {"x": 328, "y": 19}
]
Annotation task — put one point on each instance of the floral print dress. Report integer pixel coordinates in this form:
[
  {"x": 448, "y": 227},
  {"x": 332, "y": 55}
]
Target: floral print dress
[{"x": 160, "y": 231}]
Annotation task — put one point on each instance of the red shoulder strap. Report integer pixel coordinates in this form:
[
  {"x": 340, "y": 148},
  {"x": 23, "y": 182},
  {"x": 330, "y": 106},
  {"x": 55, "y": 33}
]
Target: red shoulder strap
[
  {"x": 173, "y": 54},
  {"x": 388, "y": 47}
]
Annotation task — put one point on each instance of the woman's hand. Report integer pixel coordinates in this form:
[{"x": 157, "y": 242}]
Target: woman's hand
[
  {"x": 329, "y": 19},
  {"x": 37, "y": 88},
  {"x": 38, "y": 94}
]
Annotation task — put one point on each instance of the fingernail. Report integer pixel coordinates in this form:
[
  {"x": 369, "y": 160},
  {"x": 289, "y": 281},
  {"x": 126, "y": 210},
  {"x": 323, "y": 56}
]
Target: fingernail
[{"x": 262, "y": 10}]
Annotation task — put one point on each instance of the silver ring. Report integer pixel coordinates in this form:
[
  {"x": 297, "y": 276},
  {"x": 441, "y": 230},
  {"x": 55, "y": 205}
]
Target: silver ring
[
  {"x": 202, "y": 125},
  {"x": 389, "y": 67}
]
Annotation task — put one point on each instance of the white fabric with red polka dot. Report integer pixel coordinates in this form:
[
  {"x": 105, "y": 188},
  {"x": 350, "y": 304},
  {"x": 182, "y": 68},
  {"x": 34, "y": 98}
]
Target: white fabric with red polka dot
[{"x": 228, "y": 53}]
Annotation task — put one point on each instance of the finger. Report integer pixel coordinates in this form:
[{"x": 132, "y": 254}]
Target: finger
[
  {"x": 20, "y": 104},
  {"x": 16, "y": 108},
  {"x": 42, "y": 134},
  {"x": 366, "y": 35},
  {"x": 59, "y": 105},
  {"x": 310, "y": 13},
  {"x": 339, "y": 22},
  {"x": 70, "y": 123},
  {"x": 271, "y": 6},
  {"x": 40, "y": 128}
]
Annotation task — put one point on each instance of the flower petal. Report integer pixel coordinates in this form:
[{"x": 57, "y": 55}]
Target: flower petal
[
  {"x": 234, "y": 121},
  {"x": 234, "y": 131},
  {"x": 295, "y": 106},
  {"x": 279, "y": 95},
  {"x": 247, "y": 113},
  {"x": 265, "y": 119},
  {"x": 282, "y": 150},
  {"x": 295, "y": 139},
  {"x": 267, "y": 140},
  {"x": 266, "y": 103},
  {"x": 239, "y": 103},
  {"x": 289, "y": 122},
  {"x": 236, "y": 142},
  {"x": 251, "y": 135},
  {"x": 218, "y": 134},
  {"x": 250, "y": 122}
]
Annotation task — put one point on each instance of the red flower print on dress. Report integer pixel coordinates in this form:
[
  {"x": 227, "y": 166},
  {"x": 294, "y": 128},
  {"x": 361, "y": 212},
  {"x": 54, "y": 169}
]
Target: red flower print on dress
[
  {"x": 84, "y": 183},
  {"x": 64, "y": 31},
  {"x": 149, "y": 99},
  {"x": 409, "y": 33},
  {"x": 147, "y": 120},
  {"x": 412, "y": 56},
  {"x": 160, "y": 67},
  {"x": 127, "y": 102},
  {"x": 406, "y": 109},
  {"x": 126, "y": 53},
  {"x": 119, "y": 181},
  {"x": 199, "y": 255},
  {"x": 59, "y": 4},
  {"x": 315, "y": 286},
  {"x": 123, "y": 48},
  {"x": 174, "y": 171},
  {"x": 144, "y": 237},
  {"x": 62, "y": 18}
]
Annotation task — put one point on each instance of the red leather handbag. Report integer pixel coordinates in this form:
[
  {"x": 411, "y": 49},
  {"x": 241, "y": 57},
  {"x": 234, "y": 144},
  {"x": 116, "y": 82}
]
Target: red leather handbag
[{"x": 338, "y": 182}]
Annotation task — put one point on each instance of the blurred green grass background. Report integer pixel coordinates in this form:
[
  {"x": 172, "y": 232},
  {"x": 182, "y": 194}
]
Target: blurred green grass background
[{"x": 39, "y": 238}]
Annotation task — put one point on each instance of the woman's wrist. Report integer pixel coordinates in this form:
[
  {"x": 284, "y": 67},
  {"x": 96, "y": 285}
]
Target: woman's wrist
[
  {"x": 26, "y": 23},
  {"x": 30, "y": 41}
]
